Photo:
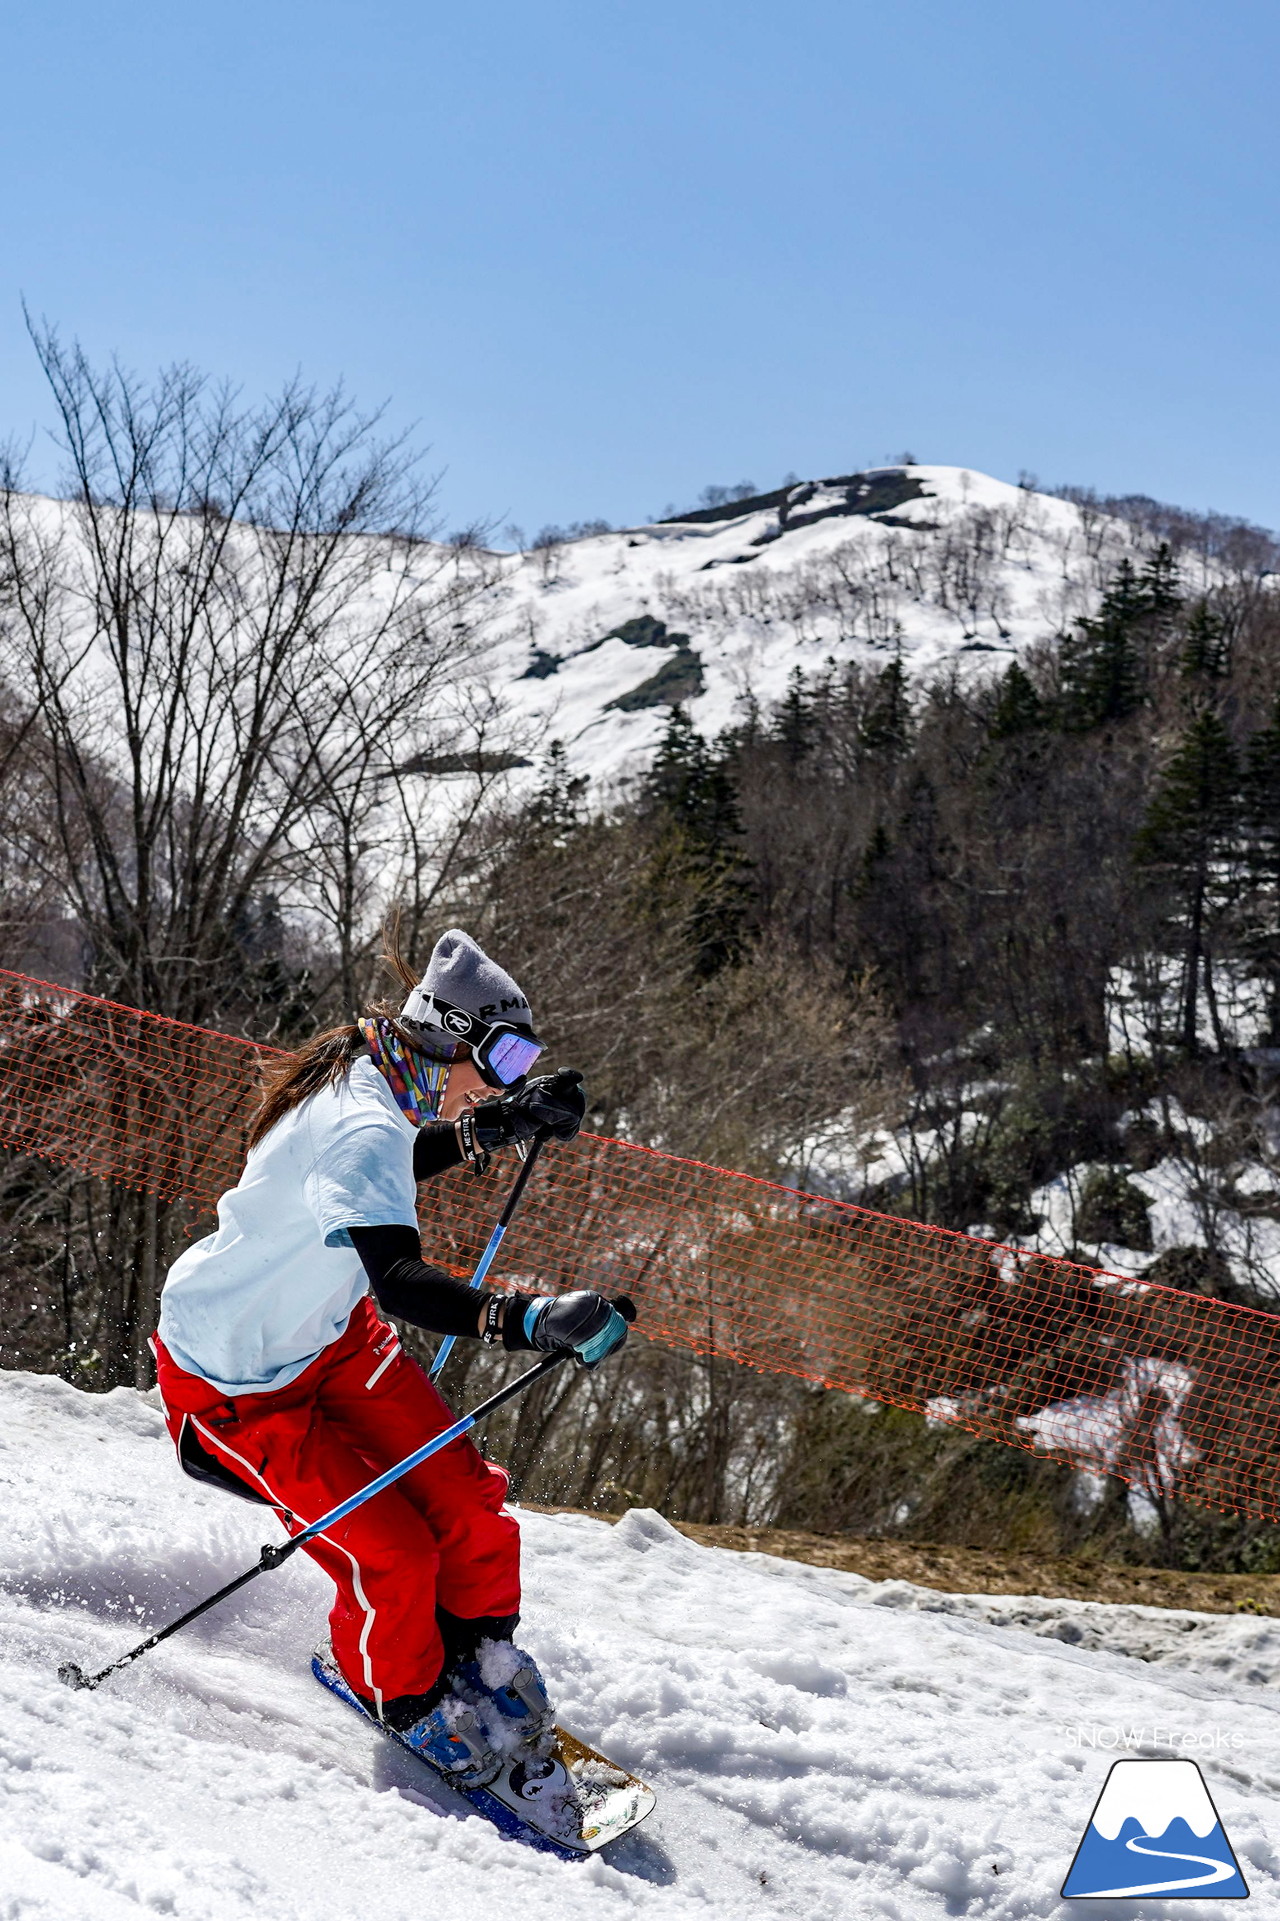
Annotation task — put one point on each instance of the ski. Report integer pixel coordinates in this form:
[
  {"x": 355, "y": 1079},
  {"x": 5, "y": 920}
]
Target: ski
[{"x": 569, "y": 1804}]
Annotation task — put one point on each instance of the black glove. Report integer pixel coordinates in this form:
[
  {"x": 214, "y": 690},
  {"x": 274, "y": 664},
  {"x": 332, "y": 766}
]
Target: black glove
[
  {"x": 586, "y": 1322},
  {"x": 553, "y": 1106}
]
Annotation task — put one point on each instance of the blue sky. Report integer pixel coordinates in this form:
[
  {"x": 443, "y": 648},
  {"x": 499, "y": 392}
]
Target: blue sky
[{"x": 602, "y": 255}]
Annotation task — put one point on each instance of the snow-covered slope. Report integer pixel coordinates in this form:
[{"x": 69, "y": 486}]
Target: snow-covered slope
[
  {"x": 822, "y": 1746},
  {"x": 937, "y": 563},
  {"x": 590, "y": 640}
]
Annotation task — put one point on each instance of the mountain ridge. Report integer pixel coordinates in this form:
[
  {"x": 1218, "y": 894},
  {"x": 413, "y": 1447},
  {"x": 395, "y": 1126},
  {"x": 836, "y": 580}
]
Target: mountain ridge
[{"x": 944, "y": 568}]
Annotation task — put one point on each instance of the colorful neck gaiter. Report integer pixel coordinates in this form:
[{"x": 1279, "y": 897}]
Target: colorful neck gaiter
[{"x": 415, "y": 1079}]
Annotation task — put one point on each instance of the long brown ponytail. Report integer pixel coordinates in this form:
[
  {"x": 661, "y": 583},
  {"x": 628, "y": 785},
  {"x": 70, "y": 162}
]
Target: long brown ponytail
[{"x": 326, "y": 1058}]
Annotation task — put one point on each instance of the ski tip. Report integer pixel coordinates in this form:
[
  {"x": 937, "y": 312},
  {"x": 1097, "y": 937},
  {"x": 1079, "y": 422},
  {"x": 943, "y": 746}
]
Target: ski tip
[{"x": 72, "y": 1676}]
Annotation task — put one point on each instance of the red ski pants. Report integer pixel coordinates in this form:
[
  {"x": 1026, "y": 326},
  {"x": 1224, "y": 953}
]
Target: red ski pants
[{"x": 440, "y": 1534}]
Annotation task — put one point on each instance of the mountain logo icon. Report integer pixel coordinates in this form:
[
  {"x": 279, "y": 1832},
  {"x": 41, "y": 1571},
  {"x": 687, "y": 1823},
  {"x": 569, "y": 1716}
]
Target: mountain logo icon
[{"x": 1154, "y": 1831}]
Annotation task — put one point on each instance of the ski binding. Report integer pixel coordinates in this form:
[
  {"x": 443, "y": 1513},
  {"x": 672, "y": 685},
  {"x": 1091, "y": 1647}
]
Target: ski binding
[{"x": 570, "y": 1803}]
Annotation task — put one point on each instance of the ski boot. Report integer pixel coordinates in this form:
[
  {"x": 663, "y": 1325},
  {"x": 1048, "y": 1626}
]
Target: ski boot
[
  {"x": 503, "y": 1684},
  {"x": 459, "y": 1741}
]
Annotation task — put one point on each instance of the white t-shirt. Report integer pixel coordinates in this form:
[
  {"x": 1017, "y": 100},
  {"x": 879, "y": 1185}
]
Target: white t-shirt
[{"x": 249, "y": 1307}]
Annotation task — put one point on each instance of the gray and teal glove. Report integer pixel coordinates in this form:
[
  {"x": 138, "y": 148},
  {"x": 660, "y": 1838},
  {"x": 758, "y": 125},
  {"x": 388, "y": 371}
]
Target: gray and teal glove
[{"x": 589, "y": 1324}]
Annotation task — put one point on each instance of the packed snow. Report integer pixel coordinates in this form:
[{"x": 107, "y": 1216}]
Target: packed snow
[{"x": 821, "y": 1746}]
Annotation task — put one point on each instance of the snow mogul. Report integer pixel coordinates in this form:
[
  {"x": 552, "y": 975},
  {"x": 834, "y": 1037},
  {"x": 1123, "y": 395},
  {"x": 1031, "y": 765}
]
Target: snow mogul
[{"x": 281, "y": 1381}]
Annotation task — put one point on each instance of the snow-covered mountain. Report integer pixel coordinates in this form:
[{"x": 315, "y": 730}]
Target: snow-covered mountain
[
  {"x": 821, "y": 1745},
  {"x": 938, "y": 564},
  {"x": 591, "y": 640}
]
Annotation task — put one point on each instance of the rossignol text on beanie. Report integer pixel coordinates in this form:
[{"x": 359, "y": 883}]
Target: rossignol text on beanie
[{"x": 460, "y": 972}]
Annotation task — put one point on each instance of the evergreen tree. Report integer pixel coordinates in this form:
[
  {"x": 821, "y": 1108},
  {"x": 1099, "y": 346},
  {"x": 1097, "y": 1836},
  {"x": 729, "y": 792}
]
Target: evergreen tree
[
  {"x": 795, "y": 722},
  {"x": 689, "y": 794},
  {"x": 1102, "y": 678},
  {"x": 1262, "y": 796},
  {"x": 1159, "y": 588},
  {"x": 690, "y": 783},
  {"x": 1192, "y": 826},
  {"x": 1018, "y": 708},
  {"x": 1261, "y": 916},
  {"x": 873, "y": 862},
  {"x": 1205, "y": 651},
  {"x": 885, "y": 730},
  {"x": 556, "y": 807}
]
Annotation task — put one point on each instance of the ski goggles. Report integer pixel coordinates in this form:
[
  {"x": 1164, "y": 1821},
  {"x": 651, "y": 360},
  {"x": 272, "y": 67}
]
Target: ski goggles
[{"x": 501, "y": 1051}]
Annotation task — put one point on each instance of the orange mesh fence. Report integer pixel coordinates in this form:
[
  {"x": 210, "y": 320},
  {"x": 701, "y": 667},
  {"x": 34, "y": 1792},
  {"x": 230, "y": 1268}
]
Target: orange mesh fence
[
  {"x": 1173, "y": 1393},
  {"x": 134, "y": 1098}
]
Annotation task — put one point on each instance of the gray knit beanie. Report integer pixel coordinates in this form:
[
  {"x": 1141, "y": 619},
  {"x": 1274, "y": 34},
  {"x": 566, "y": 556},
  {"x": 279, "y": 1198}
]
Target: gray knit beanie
[{"x": 461, "y": 972}]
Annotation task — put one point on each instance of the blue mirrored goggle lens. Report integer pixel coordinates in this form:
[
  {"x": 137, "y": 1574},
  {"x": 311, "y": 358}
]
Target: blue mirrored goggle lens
[{"x": 511, "y": 1055}]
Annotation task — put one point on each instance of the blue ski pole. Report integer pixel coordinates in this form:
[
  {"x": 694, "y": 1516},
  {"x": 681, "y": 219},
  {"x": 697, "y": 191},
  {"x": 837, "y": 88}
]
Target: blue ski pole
[
  {"x": 495, "y": 1242},
  {"x": 272, "y": 1556}
]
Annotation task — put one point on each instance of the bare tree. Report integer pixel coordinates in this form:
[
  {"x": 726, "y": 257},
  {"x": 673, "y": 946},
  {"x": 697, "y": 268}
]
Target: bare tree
[
  {"x": 235, "y": 644},
  {"x": 233, "y": 633}
]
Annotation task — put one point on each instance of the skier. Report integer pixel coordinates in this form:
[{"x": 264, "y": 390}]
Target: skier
[{"x": 281, "y": 1381}]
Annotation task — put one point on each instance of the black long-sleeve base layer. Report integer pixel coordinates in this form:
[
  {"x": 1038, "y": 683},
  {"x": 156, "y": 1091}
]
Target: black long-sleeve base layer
[
  {"x": 435, "y": 1149},
  {"x": 409, "y": 1288},
  {"x": 405, "y": 1285}
]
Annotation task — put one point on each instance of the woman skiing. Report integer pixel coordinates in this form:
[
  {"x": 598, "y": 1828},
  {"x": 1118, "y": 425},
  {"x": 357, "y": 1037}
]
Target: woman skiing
[{"x": 280, "y": 1379}]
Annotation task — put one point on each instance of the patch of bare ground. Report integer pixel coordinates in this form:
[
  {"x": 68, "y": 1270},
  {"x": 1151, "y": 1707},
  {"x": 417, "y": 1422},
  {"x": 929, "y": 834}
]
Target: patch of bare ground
[{"x": 964, "y": 1570}]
